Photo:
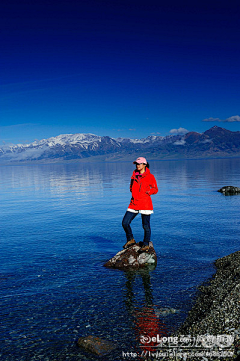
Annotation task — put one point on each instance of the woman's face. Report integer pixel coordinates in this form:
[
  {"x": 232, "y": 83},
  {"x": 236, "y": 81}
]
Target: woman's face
[{"x": 141, "y": 167}]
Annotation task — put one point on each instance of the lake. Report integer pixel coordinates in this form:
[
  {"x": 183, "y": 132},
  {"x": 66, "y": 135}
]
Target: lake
[{"x": 61, "y": 222}]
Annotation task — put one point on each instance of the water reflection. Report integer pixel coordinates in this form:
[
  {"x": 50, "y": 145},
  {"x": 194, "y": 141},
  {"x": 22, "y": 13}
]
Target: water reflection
[
  {"x": 64, "y": 178},
  {"x": 85, "y": 178},
  {"x": 70, "y": 175},
  {"x": 195, "y": 173},
  {"x": 145, "y": 323}
]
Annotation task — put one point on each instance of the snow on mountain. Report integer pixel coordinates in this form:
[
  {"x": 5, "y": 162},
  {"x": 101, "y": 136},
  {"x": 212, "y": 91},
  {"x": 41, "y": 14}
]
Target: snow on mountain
[
  {"x": 214, "y": 142},
  {"x": 82, "y": 139},
  {"x": 150, "y": 138},
  {"x": 65, "y": 146}
]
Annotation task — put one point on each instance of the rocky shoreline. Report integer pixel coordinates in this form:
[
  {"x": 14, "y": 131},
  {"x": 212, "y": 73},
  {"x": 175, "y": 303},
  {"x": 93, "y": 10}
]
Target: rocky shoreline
[{"x": 212, "y": 328}]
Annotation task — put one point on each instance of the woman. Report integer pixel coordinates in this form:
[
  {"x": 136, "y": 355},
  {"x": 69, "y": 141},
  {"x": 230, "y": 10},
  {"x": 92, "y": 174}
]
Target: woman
[{"x": 143, "y": 185}]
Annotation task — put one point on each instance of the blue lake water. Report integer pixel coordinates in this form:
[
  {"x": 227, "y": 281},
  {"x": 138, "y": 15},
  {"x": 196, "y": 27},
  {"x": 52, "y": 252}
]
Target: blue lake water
[{"x": 61, "y": 222}]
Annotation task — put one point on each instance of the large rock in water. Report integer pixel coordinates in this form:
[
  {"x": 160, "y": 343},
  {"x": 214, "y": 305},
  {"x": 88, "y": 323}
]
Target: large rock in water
[
  {"x": 229, "y": 190},
  {"x": 130, "y": 258},
  {"x": 96, "y": 345}
]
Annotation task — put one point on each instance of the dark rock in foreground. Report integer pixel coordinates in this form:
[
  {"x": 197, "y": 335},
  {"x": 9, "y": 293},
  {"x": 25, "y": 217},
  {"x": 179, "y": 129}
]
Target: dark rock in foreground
[
  {"x": 130, "y": 258},
  {"x": 229, "y": 190},
  {"x": 96, "y": 345}
]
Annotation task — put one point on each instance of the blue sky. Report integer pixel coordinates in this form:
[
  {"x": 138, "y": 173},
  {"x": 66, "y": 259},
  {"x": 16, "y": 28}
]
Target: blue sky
[{"x": 122, "y": 68}]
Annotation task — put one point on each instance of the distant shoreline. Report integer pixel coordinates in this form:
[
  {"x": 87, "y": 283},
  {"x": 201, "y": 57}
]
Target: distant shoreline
[{"x": 102, "y": 159}]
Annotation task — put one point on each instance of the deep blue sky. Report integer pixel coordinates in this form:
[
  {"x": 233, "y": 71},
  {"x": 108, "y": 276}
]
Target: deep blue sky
[{"x": 121, "y": 68}]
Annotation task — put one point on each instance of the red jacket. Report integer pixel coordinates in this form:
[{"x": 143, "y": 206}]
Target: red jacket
[{"x": 142, "y": 187}]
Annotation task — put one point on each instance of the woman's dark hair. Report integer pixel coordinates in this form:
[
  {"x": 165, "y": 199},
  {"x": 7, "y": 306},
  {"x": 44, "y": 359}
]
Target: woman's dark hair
[{"x": 147, "y": 165}]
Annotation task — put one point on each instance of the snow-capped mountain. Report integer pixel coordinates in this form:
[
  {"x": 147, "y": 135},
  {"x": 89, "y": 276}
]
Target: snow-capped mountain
[
  {"x": 217, "y": 142},
  {"x": 66, "y": 146}
]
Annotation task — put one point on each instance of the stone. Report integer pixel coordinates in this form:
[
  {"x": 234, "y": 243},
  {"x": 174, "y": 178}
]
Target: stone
[
  {"x": 229, "y": 190},
  {"x": 165, "y": 311},
  {"x": 130, "y": 258},
  {"x": 96, "y": 345}
]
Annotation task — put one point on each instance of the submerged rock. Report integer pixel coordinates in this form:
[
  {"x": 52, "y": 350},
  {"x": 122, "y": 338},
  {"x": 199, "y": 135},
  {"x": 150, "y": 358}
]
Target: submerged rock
[
  {"x": 165, "y": 311},
  {"x": 131, "y": 258},
  {"x": 96, "y": 345},
  {"x": 229, "y": 190}
]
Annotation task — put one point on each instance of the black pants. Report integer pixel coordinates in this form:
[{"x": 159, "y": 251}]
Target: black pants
[{"x": 129, "y": 217}]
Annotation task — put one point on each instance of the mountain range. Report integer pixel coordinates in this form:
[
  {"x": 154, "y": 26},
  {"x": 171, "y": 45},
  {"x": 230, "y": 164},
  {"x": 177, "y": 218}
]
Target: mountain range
[{"x": 214, "y": 143}]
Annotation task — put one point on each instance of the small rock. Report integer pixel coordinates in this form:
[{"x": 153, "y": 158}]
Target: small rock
[
  {"x": 229, "y": 190},
  {"x": 130, "y": 258},
  {"x": 165, "y": 311},
  {"x": 96, "y": 345}
]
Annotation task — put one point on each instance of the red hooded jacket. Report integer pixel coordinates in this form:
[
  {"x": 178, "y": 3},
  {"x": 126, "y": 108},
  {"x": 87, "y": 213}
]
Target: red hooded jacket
[{"x": 142, "y": 187}]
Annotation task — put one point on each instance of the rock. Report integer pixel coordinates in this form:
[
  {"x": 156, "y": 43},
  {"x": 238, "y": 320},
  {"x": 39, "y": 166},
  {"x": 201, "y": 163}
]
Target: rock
[
  {"x": 229, "y": 190},
  {"x": 165, "y": 311},
  {"x": 96, "y": 345},
  {"x": 130, "y": 258}
]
